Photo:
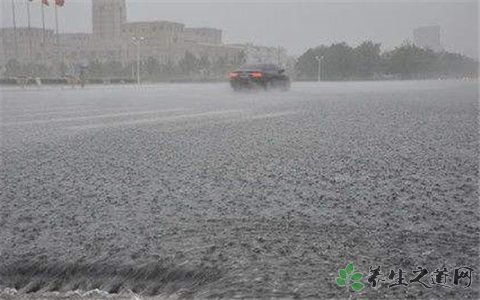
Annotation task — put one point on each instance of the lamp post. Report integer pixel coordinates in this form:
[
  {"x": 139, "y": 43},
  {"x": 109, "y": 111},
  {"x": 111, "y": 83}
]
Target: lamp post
[
  {"x": 319, "y": 71},
  {"x": 137, "y": 41}
]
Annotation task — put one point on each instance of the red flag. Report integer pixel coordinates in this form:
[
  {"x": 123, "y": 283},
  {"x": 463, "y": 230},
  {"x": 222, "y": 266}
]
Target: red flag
[
  {"x": 45, "y": 2},
  {"x": 59, "y": 2}
]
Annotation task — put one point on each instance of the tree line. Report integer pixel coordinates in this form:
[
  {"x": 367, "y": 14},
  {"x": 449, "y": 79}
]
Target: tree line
[
  {"x": 189, "y": 67},
  {"x": 367, "y": 62},
  {"x": 340, "y": 62}
]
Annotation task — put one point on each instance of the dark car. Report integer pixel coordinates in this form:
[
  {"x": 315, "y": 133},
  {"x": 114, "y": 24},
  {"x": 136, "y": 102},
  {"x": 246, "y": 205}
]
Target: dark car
[{"x": 264, "y": 76}]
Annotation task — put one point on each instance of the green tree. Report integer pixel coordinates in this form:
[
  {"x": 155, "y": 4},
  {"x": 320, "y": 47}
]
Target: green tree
[
  {"x": 306, "y": 66},
  {"x": 169, "y": 69},
  {"x": 410, "y": 62},
  {"x": 204, "y": 65},
  {"x": 152, "y": 67},
  {"x": 367, "y": 59},
  {"x": 221, "y": 66},
  {"x": 338, "y": 62},
  {"x": 189, "y": 64},
  {"x": 95, "y": 69},
  {"x": 112, "y": 69},
  {"x": 457, "y": 65},
  {"x": 240, "y": 58},
  {"x": 13, "y": 68}
]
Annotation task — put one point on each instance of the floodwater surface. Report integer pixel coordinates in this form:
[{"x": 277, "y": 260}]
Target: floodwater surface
[{"x": 196, "y": 191}]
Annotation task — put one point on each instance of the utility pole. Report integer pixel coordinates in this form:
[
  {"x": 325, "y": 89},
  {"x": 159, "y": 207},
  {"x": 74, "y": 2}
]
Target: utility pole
[
  {"x": 319, "y": 71},
  {"x": 137, "y": 41}
]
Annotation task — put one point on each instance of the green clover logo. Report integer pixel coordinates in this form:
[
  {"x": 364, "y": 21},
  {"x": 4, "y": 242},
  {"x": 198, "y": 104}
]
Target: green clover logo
[{"x": 348, "y": 278}]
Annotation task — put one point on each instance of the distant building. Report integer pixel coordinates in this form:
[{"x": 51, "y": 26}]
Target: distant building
[
  {"x": 428, "y": 37},
  {"x": 261, "y": 54},
  {"x": 203, "y": 35},
  {"x": 113, "y": 39},
  {"x": 26, "y": 44},
  {"x": 108, "y": 18},
  {"x": 161, "y": 40}
]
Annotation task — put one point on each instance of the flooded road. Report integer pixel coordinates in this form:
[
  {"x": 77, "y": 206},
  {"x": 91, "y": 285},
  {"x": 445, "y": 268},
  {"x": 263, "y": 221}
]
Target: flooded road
[{"x": 193, "y": 190}]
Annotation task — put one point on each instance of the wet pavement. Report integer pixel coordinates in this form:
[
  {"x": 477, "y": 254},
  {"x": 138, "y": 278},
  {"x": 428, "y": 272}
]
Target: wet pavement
[{"x": 193, "y": 190}]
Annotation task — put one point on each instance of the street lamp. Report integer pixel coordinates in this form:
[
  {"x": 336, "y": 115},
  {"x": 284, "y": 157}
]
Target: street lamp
[
  {"x": 137, "y": 41},
  {"x": 319, "y": 71}
]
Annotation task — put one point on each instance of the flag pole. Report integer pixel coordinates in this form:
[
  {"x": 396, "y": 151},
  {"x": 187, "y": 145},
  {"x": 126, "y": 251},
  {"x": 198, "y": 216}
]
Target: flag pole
[
  {"x": 14, "y": 28},
  {"x": 43, "y": 22},
  {"x": 29, "y": 32},
  {"x": 58, "y": 48},
  {"x": 57, "y": 38}
]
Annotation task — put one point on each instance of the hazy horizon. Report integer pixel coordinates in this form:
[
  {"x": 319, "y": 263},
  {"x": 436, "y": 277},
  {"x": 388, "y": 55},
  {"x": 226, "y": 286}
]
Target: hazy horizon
[{"x": 296, "y": 26}]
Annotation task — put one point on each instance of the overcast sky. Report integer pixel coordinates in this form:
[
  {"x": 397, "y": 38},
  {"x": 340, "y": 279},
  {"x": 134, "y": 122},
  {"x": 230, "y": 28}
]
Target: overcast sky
[{"x": 295, "y": 25}]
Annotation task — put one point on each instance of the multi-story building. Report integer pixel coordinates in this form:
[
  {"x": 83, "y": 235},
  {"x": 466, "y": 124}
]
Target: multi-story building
[
  {"x": 108, "y": 18},
  {"x": 75, "y": 46},
  {"x": 428, "y": 37},
  {"x": 203, "y": 35},
  {"x": 26, "y": 44},
  {"x": 113, "y": 38},
  {"x": 159, "y": 39}
]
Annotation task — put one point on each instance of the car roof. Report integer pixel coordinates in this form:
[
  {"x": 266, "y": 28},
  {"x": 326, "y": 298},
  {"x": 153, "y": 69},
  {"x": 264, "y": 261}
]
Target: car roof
[{"x": 259, "y": 67}]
